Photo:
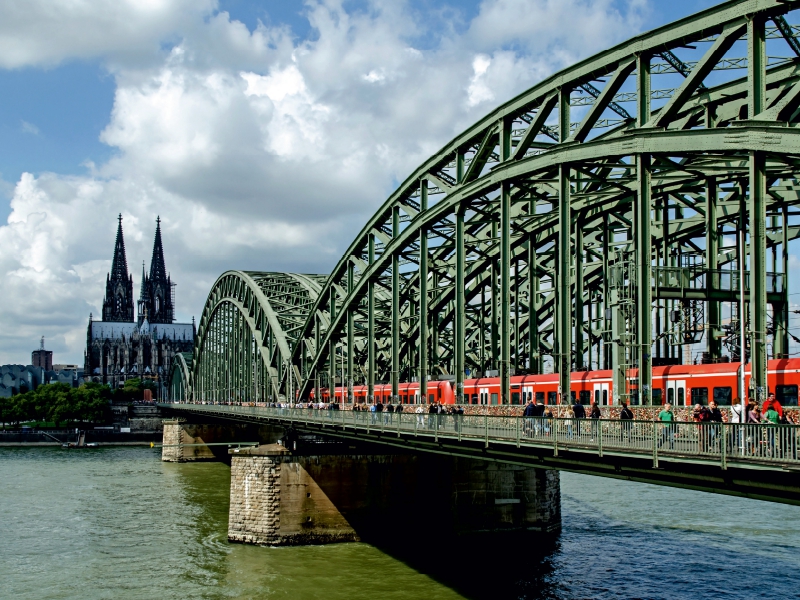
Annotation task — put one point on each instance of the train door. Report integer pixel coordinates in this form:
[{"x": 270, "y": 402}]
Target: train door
[
  {"x": 484, "y": 395},
  {"x": 601, "y": 395},
  {"x": 527, "y": 394},
  {"x": 676, "y": 392}
]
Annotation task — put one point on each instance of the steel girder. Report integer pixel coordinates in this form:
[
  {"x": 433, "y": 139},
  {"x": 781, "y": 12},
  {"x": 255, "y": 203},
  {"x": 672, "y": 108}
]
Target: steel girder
[
  {"x": 180, "y": 384},
  {"x": 250, "y": 324},
  {"x": 536, "y": 240}
]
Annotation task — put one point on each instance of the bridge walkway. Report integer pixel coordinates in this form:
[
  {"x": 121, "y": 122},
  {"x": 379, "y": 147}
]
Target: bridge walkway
[{"x": 753, "y": 460}]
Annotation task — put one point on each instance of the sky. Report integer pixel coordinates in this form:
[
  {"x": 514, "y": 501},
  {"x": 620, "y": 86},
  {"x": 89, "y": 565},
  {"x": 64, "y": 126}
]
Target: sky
[{"x": 264, "y": 134}]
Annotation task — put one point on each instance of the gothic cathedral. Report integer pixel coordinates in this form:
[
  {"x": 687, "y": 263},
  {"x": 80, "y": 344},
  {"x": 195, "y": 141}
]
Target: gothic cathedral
[{"x": 120, "y": 347}]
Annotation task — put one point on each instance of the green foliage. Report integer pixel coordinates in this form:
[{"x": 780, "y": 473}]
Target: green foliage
[{"x": 60, "y": 403}]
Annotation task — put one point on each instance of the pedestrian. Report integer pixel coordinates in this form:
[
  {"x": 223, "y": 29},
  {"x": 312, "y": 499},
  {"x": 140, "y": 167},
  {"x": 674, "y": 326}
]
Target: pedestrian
[
  {"x": 595, "y": 415},
  {"x": 389, "y": 412},
  {"x": 771, "y": 401},
  {"x": 528, "y": 413},
  {"x": 537, "y": 421},
  {"x": 626, "y": 416},
  {"x": 715, "y": 417},
  {"x": 432, "y": 411},
  {"x": 578, "y": 413},
  {"x": 702, "y": 416},
  {"x": 737, "y": 418},
  {"x": 419, "y": 412},
  {"x": 373, "y": 412},
  {"x": 772, "y": 418},
  {"x": 667, "y": 419}
]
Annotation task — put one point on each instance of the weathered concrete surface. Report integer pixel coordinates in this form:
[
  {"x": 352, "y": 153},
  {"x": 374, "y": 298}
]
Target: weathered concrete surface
[
  {"x": 185, "y": 442},
  {"x": 282, "y": 499}
]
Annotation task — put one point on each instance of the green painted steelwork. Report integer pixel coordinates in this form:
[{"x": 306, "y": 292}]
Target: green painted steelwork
[{"x": 532, "y": 242}]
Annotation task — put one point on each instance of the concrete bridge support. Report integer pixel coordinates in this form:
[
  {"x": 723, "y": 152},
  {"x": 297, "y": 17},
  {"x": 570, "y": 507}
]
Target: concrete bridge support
[
  {"x": 278, "y": 498},
  {"x": 185, "y": 442}
]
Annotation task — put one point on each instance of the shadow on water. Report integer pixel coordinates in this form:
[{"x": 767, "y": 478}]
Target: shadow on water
[{"x": 481, "y": 566}]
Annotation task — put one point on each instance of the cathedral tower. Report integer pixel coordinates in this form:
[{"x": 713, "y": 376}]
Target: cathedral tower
[
  {"x": 155, "y": 301},
  {"x": 118, "y": 303}
]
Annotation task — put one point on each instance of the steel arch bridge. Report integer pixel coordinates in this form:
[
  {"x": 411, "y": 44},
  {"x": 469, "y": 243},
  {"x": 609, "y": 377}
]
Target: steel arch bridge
[{"x": 591, "y": 222}]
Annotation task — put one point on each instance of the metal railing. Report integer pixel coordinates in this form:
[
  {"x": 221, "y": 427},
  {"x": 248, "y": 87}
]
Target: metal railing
[{"x": 723, "y": 443}]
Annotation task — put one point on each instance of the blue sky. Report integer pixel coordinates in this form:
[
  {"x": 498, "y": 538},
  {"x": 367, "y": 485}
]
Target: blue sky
[
  {"x": 264, "y": 134},
  {"x": 51, "y": 117}
]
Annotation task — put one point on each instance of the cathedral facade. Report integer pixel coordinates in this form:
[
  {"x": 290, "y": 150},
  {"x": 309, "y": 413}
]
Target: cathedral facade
[{"x": 121, "y": 347}]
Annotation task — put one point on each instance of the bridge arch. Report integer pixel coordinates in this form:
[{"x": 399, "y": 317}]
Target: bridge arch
[
  {"x": 590, "y": 222},
  {"x": 180, "y": 386},
  {"x": 246, "y": 333}
]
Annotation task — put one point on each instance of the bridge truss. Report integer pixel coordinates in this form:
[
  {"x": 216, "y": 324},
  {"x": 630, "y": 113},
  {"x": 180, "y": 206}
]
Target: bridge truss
[{"x": 591, "y": 222}]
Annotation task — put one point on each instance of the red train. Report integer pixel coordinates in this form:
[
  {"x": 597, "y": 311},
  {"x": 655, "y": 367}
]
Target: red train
[{"x": 681, "y": 385}]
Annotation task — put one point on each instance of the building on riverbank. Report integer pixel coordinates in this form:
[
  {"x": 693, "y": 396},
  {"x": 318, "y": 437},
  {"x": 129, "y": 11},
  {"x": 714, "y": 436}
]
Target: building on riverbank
[{"x": 120, "y": 347}]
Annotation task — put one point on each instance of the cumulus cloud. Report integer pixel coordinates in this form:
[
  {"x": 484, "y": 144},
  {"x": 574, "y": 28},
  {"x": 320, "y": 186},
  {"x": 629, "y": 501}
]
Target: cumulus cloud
[{"x": 258, "y": 150}]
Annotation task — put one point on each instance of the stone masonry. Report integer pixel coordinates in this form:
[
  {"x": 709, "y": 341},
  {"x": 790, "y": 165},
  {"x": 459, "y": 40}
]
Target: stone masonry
[{"x": 281, "y": 499}]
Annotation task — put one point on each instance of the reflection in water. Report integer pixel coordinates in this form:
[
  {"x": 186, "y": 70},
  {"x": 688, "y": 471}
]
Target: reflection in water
[{"x": 117, "y": 522}]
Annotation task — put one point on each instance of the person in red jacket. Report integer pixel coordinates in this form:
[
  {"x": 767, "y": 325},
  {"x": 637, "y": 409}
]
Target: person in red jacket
[{"x": 772, "y": 402}]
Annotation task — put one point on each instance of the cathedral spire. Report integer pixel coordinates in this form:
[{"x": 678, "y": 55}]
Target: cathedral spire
[
  {"x": 157, "y": 268},
  {"x": 118, "y": 303},
  {"x": 119, "y": 266},
  {"x": 156, "y": 299}
]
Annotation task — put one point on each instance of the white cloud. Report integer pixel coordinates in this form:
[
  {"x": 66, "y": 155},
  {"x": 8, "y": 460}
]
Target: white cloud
[
  {"x": 257, "y": 150},
  {"x": 29, "y": 128}
]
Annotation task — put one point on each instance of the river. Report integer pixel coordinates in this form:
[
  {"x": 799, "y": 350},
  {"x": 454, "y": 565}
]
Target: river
[{"x": 116, "y": 522}]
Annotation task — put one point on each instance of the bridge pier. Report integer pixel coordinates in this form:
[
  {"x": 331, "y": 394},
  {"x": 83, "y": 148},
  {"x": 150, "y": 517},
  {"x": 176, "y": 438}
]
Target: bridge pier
[
  {"x": 281, "y": 498},
  {"x": 186, "y": 442}
]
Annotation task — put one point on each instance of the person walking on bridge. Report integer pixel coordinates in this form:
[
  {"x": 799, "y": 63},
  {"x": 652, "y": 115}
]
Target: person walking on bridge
[
  {"x": 578, "y": 413},
  {"x": 667, "y": 419},
  {"x": 595, "y": 414},
  {"x": 626, "y": 416},
  {"x": 528, "y": 413}
]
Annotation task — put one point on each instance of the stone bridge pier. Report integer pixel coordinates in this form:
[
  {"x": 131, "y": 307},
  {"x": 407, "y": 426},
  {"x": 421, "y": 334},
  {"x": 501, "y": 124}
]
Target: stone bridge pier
[
  {"x": 283, "y": 498},
  {"x": 187, "y": 442}
]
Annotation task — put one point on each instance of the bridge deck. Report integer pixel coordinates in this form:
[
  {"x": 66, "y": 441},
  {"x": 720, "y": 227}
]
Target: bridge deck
[{"x": 752, "y": 460}]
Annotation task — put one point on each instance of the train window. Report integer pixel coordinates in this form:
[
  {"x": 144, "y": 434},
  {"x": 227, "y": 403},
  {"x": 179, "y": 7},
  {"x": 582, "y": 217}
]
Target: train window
[
  {"x": 681, "y": 399},
  {"x": 474, "y": 399},
  {"x": 431, "y": 398},
  {"x": 539, "y": 397},
  {"x": 551, "y": 397},
  {"x": 605, "y": 397},
  {"x": 634, "y": 397},
  {"x": 671, "y": 395},
  {"x": 657, "y": 393},
  {"x": 699, "y": 395},
  {"x": 494, "y": 398},
  {"x": 585, "y": 396},
  {"x": 723, "y": 395},
  {"x": 786, "y": 394},
  {"x": 572, "y": 396},
  {"x": 514, "y": 397},
  {"x": 597, "y": 396}
]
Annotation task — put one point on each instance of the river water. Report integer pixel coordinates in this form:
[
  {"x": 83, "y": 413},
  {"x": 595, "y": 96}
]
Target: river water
[{"x": 118, "y": 523}]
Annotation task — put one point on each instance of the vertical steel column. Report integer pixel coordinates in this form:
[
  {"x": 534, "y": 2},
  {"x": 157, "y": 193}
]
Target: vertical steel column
[
  {"x": 607, "y": 341},
  {"x": 644, "y": 331},
  {"x": 534, "y": 359},
  {"x": 395, "y": 308},
  {"x": 332, "y": 348},
  {"x": 642, "y": 89},
  {"x": 459, "y": 329},
  {"x": 757, "y": 90},
  {"x": 505, "y": 292},
  {"x": 579, "y": 296},
  {"x": 782, "y": 315},
  {"x": 371, "y": 325},
  {"x": 351, "y": 349},
  {"x": 758, "y": 275},
  {"x": 563, "y": 331},
  {"x": 665, "y": 259},
  {"x": 423, "y": 297},
  {"x": 494, "y": 309},
  {"x": 712, "y": 278}
]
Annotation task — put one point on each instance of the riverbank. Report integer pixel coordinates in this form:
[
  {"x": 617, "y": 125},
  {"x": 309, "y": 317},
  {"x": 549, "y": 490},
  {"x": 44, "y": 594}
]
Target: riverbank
[{"x": 58, "y": 437}]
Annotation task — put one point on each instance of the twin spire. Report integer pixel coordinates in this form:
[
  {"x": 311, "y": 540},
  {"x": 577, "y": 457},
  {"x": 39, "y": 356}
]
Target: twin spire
[{"x": 156, "y": 297}]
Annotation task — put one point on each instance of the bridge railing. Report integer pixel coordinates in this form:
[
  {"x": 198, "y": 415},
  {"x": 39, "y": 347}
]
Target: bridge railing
[{"x": 721, "y": 442}]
